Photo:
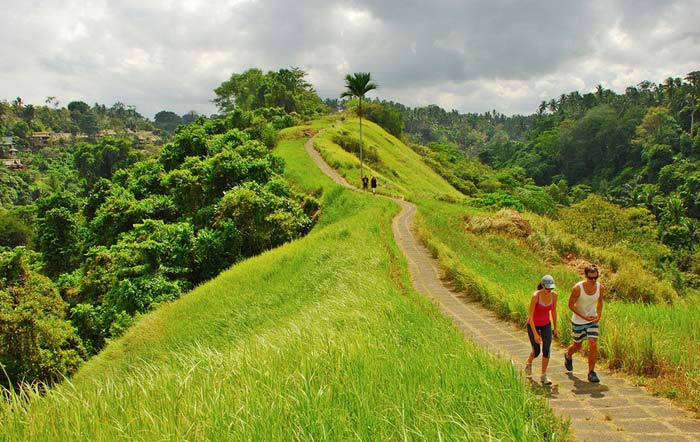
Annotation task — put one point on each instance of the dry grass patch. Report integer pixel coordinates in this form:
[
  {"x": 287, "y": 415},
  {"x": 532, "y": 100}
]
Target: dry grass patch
[{"x": 506, "y": 221}]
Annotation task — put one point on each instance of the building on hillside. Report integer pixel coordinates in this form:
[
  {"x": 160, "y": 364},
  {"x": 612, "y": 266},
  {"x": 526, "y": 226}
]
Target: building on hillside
[
  {"x": 144, "y": 137},
  {"x": 61, "y": 137},
  {"x": 39, "y": 139},
  {"x": 12, "y": 163},
  {"x": 6, "y": 145},
  {"x": 106, "y": 133}
]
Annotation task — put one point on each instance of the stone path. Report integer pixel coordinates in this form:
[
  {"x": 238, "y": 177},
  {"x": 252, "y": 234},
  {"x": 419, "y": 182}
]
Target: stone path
[{"x": 613, "y": 410}]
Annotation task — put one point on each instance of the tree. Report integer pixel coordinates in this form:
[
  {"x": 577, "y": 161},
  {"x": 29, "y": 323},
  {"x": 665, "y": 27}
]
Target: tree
[
  {"x": 14, "y": 231},
  {"x": 83, "y": 117},
  {"x": 694, "y": 97},
  {"x": 253, "y": 89},
  {"x": 357, "y": 85},
  {"x": 167, "y": 121},
  {"x": 37, "y": 343},
  {"x": 101, "y": 160},
  {"x": 386, "y": 116},
  {"x": 189, "y": 117}
]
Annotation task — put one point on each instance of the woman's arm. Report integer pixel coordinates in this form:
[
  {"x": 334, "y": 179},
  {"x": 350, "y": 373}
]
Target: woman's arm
[
  {"x": 531, "y": 318},
  {"x": 554, "y": 314}
]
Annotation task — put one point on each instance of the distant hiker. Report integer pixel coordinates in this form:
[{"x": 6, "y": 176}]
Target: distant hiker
[
  {"x": 586, "y": 301},
  {"x": 543, "y": 313},
  {"x": 364, "y": 183},
  {"x": 374, "y": 184}
]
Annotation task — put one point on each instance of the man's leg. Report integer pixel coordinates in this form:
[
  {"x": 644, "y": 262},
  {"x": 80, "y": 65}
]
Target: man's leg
[{"x": 592, "y": 353}]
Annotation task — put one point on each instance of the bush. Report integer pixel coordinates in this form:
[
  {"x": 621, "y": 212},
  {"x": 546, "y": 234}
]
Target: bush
[
  {"x": 536, "y": 199},
  {"x": 14, "y": 231},
  {"x": 352, "y": 145},
  {"x": 633, "y": 283},
  {"x": 139, "y": 295},
  {"x": 498, "y": 200},
  {"x": 37, "y": 343}
]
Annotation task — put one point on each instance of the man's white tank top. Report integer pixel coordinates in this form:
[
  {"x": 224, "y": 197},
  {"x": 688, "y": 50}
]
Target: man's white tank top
[{"x": 586, "y": 303}]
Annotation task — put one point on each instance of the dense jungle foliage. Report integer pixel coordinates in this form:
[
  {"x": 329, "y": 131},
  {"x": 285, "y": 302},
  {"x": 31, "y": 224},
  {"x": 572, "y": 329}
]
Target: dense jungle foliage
[
  {"x": 640, "y": 149},
  {"x": 97, "y": 229},
  {"x": 96, "y": 232}
]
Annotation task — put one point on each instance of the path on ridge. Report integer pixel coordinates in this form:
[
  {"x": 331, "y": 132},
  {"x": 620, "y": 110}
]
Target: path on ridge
[{"x": 613, "y": 410}]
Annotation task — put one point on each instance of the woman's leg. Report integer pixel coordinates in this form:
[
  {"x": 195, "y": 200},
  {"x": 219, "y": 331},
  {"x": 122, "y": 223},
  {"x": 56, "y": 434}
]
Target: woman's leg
[
  {"x": 535, "y": 346},
  {"x": 546, "y": 333}
]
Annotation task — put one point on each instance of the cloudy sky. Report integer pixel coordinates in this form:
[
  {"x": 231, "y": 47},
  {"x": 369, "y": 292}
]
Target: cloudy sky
[{"x": 468, "y": 55}]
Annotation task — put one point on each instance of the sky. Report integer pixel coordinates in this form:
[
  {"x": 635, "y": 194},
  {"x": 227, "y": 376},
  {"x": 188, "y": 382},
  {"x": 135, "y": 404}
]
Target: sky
[{"x": 472, "y": 56}]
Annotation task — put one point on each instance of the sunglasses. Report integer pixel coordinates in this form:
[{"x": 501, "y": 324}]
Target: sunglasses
[{"x": 592, "y": 278}]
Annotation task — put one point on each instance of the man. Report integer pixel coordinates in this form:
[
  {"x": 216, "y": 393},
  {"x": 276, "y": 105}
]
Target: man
[
  {"x": 586, "y": 303},
  {"x": 364, "y": 183}
]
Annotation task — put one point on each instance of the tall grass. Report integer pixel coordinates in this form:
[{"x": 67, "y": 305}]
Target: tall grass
[
  {"x": 320, "y": 339},
  {"x": 657, "y": 340},
  {"x": 657, "y": 336},
  {"x": 400, "y": 171}
]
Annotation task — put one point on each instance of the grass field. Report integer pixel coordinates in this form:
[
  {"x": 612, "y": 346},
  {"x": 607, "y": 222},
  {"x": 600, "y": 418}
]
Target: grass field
[
  {"x": 657, "y": 342},
  {"x": 320, "y": 339}
]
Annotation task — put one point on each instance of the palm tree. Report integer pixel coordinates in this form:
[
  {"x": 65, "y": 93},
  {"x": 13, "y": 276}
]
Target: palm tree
[
  {"x": 693, "y": 79},
  {"x": 357, "y": 85}
]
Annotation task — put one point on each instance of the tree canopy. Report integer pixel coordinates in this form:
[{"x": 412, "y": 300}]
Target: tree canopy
[{"x": 253, "y": 89}]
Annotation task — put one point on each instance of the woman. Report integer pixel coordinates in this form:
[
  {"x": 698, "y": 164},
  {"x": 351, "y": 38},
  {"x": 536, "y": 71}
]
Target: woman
[{"x": 543, "y": 313}]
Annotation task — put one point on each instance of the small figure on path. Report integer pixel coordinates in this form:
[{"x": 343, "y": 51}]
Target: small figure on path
[
  {"x": 374, "y": 184},
  {"x": 365, "y": 180},
  {"x": 543, "y": 313},
  {"x": 586, "y": 301}
]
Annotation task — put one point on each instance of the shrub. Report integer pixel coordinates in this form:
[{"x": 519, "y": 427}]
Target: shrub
[
  {"x": 352, "y": 145},
  {"x": 633, "y": 283},
  {"x": 37, "y": 343},
  {"x": 498, "y": 200}
]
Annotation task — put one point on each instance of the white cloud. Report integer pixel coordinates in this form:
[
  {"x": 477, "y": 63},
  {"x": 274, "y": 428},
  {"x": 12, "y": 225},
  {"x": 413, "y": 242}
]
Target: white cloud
[{"x": 469, "y": 55}]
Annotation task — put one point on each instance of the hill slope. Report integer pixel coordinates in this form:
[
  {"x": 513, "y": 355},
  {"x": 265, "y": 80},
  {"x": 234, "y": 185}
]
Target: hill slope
[
  {"x": 322, "y": 338},
  {"x": 499, "y": 257}
]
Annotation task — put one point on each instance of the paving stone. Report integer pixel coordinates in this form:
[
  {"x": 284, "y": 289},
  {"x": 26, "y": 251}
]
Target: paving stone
[
  {"x": 565, "y": 404},
  {"x": 582, "y": 414},
  {"x": 620, "y": 413},
  {"x": 686, "y": 425},
  {"x": 608, "y": 401},
  {"x": 666, "y": 412},
  {"x": 630, "y": 391},
  {"x": 602, "y": 436},
  {"x": 660, "y": 438},
  {"x": 651, "y": 401},
  {"x": 644, "y": 425}
]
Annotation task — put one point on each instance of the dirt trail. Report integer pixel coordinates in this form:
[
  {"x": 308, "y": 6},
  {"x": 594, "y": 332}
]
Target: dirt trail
[{"x": 613, "y": 410}]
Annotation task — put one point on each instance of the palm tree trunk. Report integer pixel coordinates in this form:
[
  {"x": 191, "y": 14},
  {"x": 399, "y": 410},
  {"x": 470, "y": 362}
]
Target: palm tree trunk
[{"x": 362, "y": 173}]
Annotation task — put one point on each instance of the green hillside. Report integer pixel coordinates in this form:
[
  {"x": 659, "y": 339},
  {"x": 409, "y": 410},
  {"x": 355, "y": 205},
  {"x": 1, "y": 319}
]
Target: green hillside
[
  {"x": 399, "y": 170},
  {"x": 320, "y": 339},
  {"x": 498, "y": 257}
]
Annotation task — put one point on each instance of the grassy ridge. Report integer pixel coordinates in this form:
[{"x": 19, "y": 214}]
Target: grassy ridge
[
  {"x": 400, "y": 171},
  {"x": 319, "y": 339},
  {"x": 657, "y": 340}
]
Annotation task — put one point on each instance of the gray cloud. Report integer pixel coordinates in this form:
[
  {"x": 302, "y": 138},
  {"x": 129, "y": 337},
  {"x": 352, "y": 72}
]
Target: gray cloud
[{"x": 473, "y": 56}]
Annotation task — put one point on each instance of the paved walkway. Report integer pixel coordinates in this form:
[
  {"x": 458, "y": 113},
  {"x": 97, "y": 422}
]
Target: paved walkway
[{"x": 613, "y": 410}]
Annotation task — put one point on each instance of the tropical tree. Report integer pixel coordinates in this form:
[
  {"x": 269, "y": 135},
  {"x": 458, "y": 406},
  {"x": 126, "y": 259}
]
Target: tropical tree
[
  {"x": 693, "y": 79},
  {"x": 357, "y": 85}
]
